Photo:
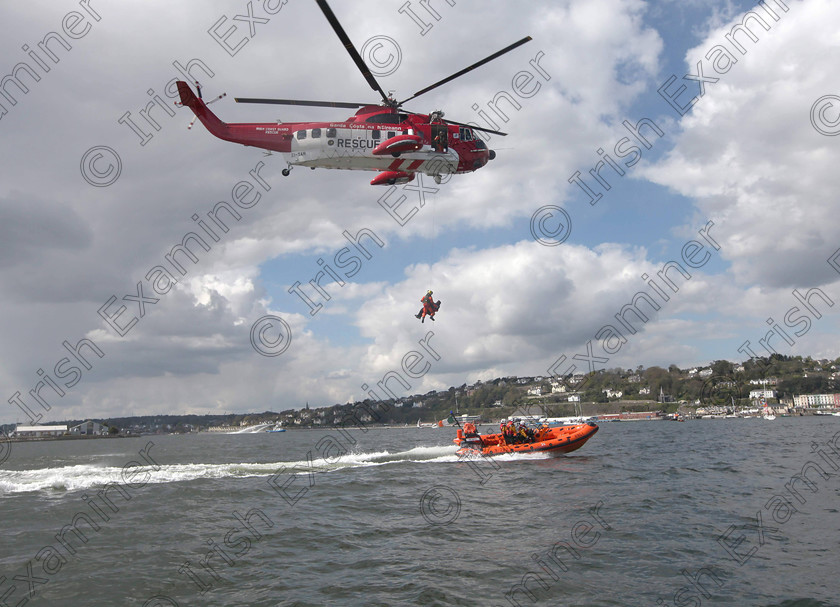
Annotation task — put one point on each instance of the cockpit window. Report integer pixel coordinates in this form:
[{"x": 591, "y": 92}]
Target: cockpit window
[
  {"x": 479, "y": 144},
  {"x": 466, "y": 134}
]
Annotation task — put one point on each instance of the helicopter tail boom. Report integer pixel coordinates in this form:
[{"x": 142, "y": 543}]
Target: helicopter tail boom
[
  {"x": 273, "y": 137},
  {"x": 199, "y": 108}
]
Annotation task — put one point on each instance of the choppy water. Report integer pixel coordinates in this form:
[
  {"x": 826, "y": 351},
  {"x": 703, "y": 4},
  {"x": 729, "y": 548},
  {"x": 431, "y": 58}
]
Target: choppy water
[{"x": 647, "y": 513}]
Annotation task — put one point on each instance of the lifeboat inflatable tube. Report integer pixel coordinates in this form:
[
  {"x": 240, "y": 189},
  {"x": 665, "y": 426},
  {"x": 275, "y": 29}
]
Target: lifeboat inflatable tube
[
  {"x": 398, "y": 145},
  {"x": 561, "y": 439}
]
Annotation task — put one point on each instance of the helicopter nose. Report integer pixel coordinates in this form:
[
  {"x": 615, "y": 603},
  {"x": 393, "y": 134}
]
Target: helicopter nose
[{"x": 492, "y": 154}]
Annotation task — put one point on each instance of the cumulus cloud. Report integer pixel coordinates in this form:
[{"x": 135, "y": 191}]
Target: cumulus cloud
[{"x": 748, "y": 155}]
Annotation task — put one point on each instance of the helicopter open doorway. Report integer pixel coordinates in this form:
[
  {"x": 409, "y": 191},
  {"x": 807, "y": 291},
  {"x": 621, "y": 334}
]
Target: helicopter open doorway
[{"x": 440, "y": 138}]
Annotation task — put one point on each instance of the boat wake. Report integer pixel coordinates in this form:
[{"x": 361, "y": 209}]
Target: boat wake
[{"x": 86, "y": 476}]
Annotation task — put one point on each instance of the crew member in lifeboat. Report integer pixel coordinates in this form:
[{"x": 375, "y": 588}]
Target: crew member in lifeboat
[
  {"x": 526, "y": 435},
  {"x": 510, "y": 433},
  {"x": 471, "y": 436}
]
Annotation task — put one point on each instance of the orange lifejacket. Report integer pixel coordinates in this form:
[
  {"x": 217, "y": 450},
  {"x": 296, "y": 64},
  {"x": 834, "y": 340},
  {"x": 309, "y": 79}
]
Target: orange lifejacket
[{"x": 469, "y": 428}]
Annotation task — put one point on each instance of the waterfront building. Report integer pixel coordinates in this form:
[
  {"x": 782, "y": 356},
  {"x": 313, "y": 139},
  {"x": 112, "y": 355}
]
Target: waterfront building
[
  {"x": 39, "y": 431},
  {"x": 805, "y": 401},
  {"x": 89, "y": 428}
]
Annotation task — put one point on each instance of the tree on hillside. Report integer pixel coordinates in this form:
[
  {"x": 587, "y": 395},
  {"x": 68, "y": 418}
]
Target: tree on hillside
[
  {"x": 722, "y": 368},
  {"x": 657, "y": 376},
  {"x": 813, "y": 384}
]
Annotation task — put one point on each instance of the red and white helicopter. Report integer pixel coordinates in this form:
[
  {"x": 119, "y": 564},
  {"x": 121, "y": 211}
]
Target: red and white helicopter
[{"x": 383, "y": 138}]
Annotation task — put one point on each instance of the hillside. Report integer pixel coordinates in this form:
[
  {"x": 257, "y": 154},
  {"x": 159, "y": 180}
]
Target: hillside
[{"x": 604, "y": 391}]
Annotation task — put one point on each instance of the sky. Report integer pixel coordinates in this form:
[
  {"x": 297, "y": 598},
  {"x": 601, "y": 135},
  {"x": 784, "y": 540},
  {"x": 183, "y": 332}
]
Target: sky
[{"x": 712, "y": 212}]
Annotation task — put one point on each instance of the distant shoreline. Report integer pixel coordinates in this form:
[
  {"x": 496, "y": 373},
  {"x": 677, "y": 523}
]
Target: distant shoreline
[
  {"x": 52, "y": 438},
  {"x": 375, "y": 426}
]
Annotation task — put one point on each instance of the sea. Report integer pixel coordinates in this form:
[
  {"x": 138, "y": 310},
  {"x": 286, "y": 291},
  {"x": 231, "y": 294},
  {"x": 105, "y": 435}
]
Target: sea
[{"x": 704, "y": 512}]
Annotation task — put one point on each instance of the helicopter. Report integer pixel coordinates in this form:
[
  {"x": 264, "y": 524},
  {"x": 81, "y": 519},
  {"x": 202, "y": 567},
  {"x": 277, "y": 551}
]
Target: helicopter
[{"x": 380, "y": 137}]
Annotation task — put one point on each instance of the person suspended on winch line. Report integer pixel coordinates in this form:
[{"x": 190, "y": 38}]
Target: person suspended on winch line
[{"x": 430, "y": 306}]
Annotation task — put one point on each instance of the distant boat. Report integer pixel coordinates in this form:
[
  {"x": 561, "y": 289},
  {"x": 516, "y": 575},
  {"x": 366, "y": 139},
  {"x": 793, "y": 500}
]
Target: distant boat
[
  {"x": 570, "y": 421},
  {"x": 277, "y": 428},
  {"x": 438, "y": 424},
  {"x": 768, "y": 415}
]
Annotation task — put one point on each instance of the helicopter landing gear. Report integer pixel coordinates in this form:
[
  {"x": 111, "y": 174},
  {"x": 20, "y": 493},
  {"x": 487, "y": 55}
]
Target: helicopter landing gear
[{"x": 285, "y": 172}]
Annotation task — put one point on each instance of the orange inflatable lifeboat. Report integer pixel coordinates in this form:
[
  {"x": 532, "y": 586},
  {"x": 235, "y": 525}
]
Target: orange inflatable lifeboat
[{"x": 560, "y": 439}]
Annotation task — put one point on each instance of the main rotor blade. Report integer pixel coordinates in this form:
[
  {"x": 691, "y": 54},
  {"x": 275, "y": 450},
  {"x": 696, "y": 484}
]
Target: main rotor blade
[
  {"x": 354, "y": 54},
  {"x": 340, "y": 104},
  {"x": 468, "y": 69},
  {"x": 475, "y": 128},
  {"x": 469, "y": 126}
]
